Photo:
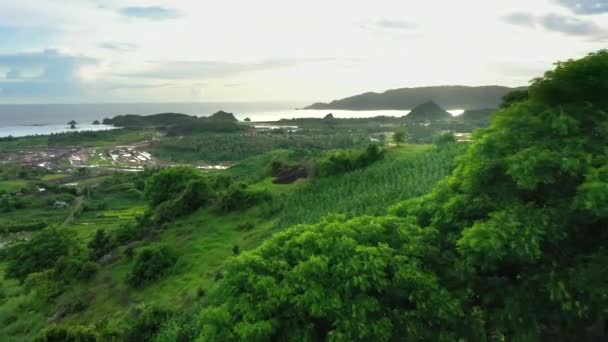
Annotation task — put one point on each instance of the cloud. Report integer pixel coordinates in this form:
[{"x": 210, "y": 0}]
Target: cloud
[
  {"x": 150, "y": 12},
  {"x": 568, "y": 25},
  {"x": 585, "y": 6},
  {"x": 49, "y": 73},
  {"x": 520, "y": 19},
  {"x": 556, "y": 23},
  {"x": 117, "y": 46},
  {"x": 192, "y": 70},
  {"x": 395, "y": 24}
]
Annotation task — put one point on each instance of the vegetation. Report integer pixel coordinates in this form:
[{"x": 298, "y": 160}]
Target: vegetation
[
  {"x": 150, "y": 264},
  {"x": 510, "y": 246},
  {"x": 318, "y": 235}
]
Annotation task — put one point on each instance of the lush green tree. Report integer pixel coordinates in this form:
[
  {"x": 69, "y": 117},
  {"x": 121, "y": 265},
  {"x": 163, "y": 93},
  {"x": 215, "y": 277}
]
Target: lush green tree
[
  {"x": 151, "y": 263},
  {"x": 514, "y": 96},
  {"x": 169, "y": 183},
  {"x": 99, "y": 245},
  {"x": 399, "y": 136},
  {"x": 239, "y": 197},
  {"x": 444, "y": 139},
  {"x": 62, "y": 333},
  {"x": 338, "y": 280},
  {"x": 39, "y": 253},
  {"x": 524, "y": 211}
]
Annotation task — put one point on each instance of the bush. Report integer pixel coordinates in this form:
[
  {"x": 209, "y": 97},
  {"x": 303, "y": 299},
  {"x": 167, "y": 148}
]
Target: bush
[
  {"x": 346, "y": 161},
  {"x": 58, "y": 333},
  {"x": 99, "y": 245},
  {"x": 39, "y": 253},
  {"x": 238, "y": 197},
  {"x": 444, "y": 139},
  {"x": 88, "y": 270},
  {"x": 127, "y": 233},
  {"x": 169, "y": 183},
  {"x": 151, "y": 263},
  {"x": 146, "y": 323}
]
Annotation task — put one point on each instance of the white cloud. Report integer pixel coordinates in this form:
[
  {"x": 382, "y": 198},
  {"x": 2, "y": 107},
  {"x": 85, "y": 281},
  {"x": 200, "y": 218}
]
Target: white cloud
[{"x": 307, "y": 50}]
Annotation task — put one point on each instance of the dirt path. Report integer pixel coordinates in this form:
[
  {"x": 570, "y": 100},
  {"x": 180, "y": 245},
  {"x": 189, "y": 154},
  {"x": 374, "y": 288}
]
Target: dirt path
[{"x": 75, "y": 208}]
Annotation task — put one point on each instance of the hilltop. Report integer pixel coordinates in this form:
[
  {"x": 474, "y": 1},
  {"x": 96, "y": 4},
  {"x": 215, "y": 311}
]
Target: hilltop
[
  {"x": 451, "y": 97},
  {"x": 428, "y": 111}
]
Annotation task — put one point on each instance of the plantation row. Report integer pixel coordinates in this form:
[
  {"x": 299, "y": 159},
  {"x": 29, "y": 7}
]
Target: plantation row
[
  {"x": 400, "y": 175},
  {"x": 238, "y": 146}
]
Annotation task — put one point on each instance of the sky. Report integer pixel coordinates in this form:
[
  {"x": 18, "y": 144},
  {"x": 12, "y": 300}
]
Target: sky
[{"x": 78, "y": 51}]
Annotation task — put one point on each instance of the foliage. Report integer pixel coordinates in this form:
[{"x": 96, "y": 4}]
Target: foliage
[
  {"x": 238, "y": 146},
  {"x": 335, "y": 280},
  {"x": 511, "y": 246},
  {"x": 151, "y": 263},
  {"x": 169, "y": 183},
  {"x": 239, "y": 197},
  {"x": 146, "y": 323},
  {"x": 99, "y": 245},
  {"x": 444, "y": 139},
  {"x": 39, "y": 253},
  {"x": 399, "y": 136},
  {"x": 514, "y": 96},
  {"x": 74, "y": 333},
  {"x": 401, "y": 174},
  {"x": 346, "y": 161}
]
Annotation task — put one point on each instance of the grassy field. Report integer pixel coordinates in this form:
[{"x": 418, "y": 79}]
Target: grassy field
[
  {"x": 80, "y": 139},
  {"x": 12, "y": 185}
]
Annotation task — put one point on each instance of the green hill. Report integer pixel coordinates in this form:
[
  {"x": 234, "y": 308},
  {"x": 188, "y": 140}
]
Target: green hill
[
  {"x": 428, "y": 111},
  {"x": 450, "y": 97}
]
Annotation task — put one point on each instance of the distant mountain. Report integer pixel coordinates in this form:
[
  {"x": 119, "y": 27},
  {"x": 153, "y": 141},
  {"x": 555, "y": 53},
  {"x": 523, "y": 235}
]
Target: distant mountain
[
  {"x": 221, "y": 115},
  {"x": 428, "y": 111},
  {"x": 450, "y": 97}
]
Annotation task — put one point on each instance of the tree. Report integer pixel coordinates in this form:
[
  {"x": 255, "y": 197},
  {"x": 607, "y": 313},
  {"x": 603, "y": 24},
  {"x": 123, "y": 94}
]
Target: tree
[
  {"x": 399, "y": 136},
  {"x": 39, "y": 253},
  {"x": 151, "y": 263},
  {"x": 524, "y": 211},
  {"x": 514, "y": 96},
  {"x": 169, "y": 183},
  {"x": 444, "y": 139},
  {"x": 99, "y": 245},
  {"x": 339, "y": 280}
]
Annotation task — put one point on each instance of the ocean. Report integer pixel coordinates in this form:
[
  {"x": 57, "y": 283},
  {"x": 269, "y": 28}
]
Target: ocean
[{"x": 29, "y": 119}]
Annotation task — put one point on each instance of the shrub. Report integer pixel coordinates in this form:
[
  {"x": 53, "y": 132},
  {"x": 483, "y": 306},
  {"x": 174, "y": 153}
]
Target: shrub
[
  {"x": 39, "y": 253},
  {"x": 346, "y": 161},
  {"x": 126, "y": 233},
  {"x": 169, "y": 183},
  {"x": 99, "y": 245},
  {"x": 65, "y": 333},
  {"x": 238, "y": 197},
  {"x": 88, "y": 270},
  {"x": 151, "y": 263},
  {"x": 146, "y": 323},
  {"x": 444, "y": 139}
]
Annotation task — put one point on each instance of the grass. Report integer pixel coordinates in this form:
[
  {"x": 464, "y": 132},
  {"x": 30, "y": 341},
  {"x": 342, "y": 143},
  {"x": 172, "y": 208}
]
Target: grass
[
  {"x": 81, "y": 139},
  {"x": 12, "y": 185}
]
